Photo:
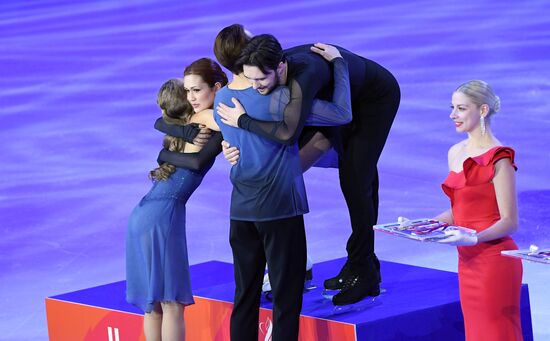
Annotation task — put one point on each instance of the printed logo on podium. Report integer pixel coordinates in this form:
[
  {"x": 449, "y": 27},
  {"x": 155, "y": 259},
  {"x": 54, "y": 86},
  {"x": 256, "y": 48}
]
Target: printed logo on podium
[
  {"x": 266, "y": 328},
  {"x": 113, "y": 336}
]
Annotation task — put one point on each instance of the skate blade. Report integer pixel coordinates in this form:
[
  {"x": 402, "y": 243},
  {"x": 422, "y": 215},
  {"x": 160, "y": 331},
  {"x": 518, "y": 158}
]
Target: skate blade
[
  {"x": 309, "y": 286},
  {"x": 365, "y": 303},
  {"x": 329, "y": 294}
]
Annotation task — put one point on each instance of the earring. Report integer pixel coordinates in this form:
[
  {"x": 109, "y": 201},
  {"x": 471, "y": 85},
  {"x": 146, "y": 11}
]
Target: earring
[{"x": 482, "y": 122}]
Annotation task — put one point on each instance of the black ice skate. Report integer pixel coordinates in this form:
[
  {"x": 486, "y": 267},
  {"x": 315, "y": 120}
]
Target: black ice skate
[
  {"x": 359, "y": 291},
  {"x": 334, "y": 284}
]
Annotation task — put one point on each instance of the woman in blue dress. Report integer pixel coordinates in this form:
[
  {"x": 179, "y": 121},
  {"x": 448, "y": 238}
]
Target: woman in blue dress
[{"x": 157, "y": 267}]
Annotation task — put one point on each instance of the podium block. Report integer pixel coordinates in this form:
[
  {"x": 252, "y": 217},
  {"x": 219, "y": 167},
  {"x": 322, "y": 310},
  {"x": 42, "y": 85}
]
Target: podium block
[{"x": 417, "y": 304}]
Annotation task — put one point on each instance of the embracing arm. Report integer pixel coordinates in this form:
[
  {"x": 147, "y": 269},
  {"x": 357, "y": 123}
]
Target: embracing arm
[
  {"x": 337, "y": 112},
  {"x": 192, "y": 133},
  {"x": 302, "y": 90},
  {"x": 287, "y": 130},
  {"x": 194, "y": 161}
]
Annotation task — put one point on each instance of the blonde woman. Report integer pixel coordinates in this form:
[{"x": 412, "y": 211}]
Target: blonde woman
[
  {"x": 157, "y": 267},
  {"x": 481, "y": 188}
]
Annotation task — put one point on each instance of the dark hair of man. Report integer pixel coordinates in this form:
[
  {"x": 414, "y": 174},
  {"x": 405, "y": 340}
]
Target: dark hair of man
[
  {"x": 228, "y": 46},
  {"x": 264, "y": 52},
  {"x": 210, "y": 71}
]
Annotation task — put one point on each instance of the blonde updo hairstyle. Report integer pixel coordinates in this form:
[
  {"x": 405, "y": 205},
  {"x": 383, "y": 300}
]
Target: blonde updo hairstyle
[
  {"x": 172, "y": 100},
  {"x": 481, "y": 93}
]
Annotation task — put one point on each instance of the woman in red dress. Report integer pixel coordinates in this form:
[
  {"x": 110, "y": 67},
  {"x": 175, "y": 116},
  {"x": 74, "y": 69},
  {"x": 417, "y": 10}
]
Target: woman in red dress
[{"x": 481, "y": 187}]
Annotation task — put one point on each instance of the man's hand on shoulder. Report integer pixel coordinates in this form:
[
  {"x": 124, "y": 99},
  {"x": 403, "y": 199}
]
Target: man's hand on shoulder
[{"x": 328, "y": 52}]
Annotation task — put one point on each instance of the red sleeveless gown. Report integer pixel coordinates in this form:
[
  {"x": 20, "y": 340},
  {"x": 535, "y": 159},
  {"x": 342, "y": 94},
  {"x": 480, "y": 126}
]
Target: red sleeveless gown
[{"x": 489, "y": 283}]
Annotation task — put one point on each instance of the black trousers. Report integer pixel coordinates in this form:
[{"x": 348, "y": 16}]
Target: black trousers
[
  {"x": 362, "y": 144},
  {"x": 282, "y": 244}
]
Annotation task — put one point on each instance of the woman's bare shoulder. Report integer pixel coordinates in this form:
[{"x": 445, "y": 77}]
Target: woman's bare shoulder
[
  {"x": 205, "y": 117},
  {"x": 456, "y": 148}
]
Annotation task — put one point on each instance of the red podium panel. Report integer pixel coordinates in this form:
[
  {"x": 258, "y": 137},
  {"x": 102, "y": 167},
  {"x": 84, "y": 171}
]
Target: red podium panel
[
  {"x": 418, "y": 304},
  {"x": 70, "y": 321},
  {"x": 101, "y": 313},
  {"x": 206, "y": 320}
]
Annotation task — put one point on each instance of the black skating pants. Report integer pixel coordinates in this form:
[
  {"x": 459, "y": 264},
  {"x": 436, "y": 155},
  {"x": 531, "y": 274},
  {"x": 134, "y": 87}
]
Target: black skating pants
[
  {"x": 282, "y": 244},
  {"x": 363, "y": 141}
]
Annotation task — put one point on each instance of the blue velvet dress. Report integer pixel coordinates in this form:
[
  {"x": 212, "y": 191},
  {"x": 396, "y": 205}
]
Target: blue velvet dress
[{"x": 157, "y": 267}]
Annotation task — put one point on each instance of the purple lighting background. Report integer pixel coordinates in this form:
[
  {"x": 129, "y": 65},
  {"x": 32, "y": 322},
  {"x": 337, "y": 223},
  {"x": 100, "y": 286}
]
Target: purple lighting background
[{"x": 78, "y": 82}]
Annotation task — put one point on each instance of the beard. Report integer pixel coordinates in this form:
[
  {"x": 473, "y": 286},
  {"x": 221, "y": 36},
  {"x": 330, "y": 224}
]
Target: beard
[{"x": 269, "y": 88}]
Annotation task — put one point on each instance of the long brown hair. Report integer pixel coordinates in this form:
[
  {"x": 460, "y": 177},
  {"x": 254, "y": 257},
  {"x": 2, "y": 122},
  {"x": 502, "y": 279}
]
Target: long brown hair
[{"x": 172, "y": 100}]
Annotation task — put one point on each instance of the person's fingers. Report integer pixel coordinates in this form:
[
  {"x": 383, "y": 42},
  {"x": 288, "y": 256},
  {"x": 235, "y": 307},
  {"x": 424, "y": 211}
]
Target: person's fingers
[
  {"x": 201, "y": 139},
  {"x": 238, "y": 108},
  {"x": 452, "y": 237},
  {"x": 227, "y": 151},
  {"x": 316, "y": 49},
  {"x": 232, "y": 154},
  {"x": 225, "y": 144},
  {"x": 221, "y": 109},
  {"x": 203, "y": 136},
  {"x": 321, "y": 53},
  {"x": 328, "y": 52},
  {"x": 320, "y": 45}
]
